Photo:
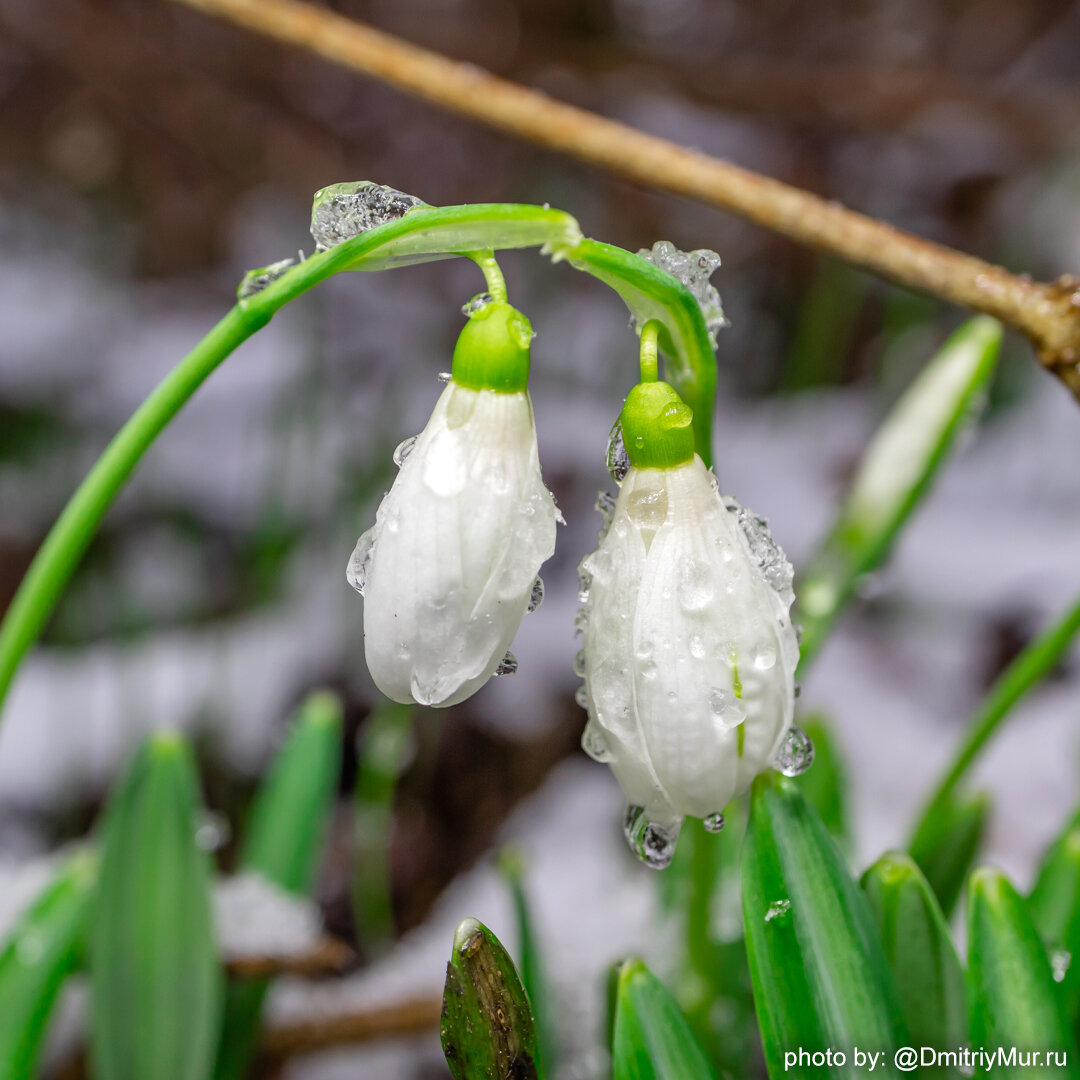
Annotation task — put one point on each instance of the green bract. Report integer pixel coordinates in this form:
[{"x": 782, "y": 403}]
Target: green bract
[
  {"x": 492, "y": 352},
  {"x": 656, "y": 427}
]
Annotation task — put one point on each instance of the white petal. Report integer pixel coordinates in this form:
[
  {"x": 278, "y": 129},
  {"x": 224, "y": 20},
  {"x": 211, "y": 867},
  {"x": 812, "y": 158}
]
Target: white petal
[
  {"x": 457, "y": 544},
  {"x": 690, "y": 653}
]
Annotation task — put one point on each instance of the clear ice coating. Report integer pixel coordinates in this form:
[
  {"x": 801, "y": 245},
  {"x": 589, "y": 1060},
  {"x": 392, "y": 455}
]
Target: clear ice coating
[
  {"x": 584, "y": 582},
  {"x": 254, "y": 281},
  {"x": 404, "y": 449},
  {"x": 618, "y": 461},
  {"x": 766, "y": 552},
  {"x": 651, "y": 843},
  {"x": 796, "y": 753},
  {"x": 480, "y": 300},
  {"x": 508, "y": 665},
  {"x": 714, "y": 823},
  {"x": 693, "y": 269},
  {"x": 342, "y": 211},
  {"x": 356, "y": 572},
  {"x": 777, "y": 910},
  {"x": 536, "y": 597}
]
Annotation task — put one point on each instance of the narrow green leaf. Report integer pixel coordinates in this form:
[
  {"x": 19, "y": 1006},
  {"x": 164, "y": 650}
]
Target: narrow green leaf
[
  {"x": 41, "y": 951},
  {"x": 1011, "y": 991},
  {"x": 384, "y": 750},
  {"x": 530, "y": 960},
  {"x": 652, "y": 1039},
  {"x": 284, "y": 841},
  {"x": 825, "y": 785},
  {"x": 1025, "y": 672},
  {"x": 895, "y": 474},
  {"x": 487, "y": 1025},
  {"x": 155, "y": 980},
  {"x": 919, "y": 950},
  {"x": 1054, "y": 904},
  {"x": 948, "y": 843},
  {"x": 652, "y": 293},
  {"x": 819, "y": 972}
]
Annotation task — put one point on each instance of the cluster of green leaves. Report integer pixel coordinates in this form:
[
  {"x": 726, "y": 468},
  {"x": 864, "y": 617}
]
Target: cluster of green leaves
[{"x": 134, "y": 910}]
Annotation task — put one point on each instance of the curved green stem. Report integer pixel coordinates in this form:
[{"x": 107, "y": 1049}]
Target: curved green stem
[
  {"x": 493, "y": 275},
  {"x": 649, "y": 351},
  {"x": 1031, "y": 666}
]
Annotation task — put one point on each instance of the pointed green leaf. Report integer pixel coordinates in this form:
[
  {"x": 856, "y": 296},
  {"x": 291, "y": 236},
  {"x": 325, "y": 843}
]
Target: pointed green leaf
[
  {"x": 41, "y": 951},
  {"x": 1011, "y": 994},
  {"x": 284, "y": 840},
  {"x": 820, "y": 976},
  {"x": 1054, "y": 904},
  {"x": 825, "y": 785},
  {"x": 155, "y": 980},
  {"x": 948, "y": 842},
  {"x": 530, "y": 960},
  {"x": 652, "y": 293},
  {"x": 384, "y": 750},
  {"x": 487, "y": 1025},
  {"x": 895, "y": 474},
  {"x": 919, "y": 950},
  {"x": 652, "y": 1039}
]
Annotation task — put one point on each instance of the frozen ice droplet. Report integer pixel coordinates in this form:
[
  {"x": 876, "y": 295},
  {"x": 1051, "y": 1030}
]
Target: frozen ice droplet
[
  {"x": 480, "y": 300},
  {"x": 713, "y": 823},
  {"x": 727, "y": 710},
  {"x": 360, "y": 560},
  {"x": 796, "y": 753},
  {"x": 536, "y": 597},
  {"x": 693, "y": 269},
  {"x": 342, "y": 211},
  {"x": 764, "y": 550},
  {"x": 592, "y": 742},
  {"x": 652, "y": 843},
  {"x": 579, "y": 663},
  {"x": 584, "y": 583},
  {"x": 254, "y": 281},
  {"x": 508, "y": 665},
  {"x": 581, "y": 696},
  {"x": 404, "y": 449},
  {"x": 778, "y": 909},
  {"x": 618, "y": 461}
]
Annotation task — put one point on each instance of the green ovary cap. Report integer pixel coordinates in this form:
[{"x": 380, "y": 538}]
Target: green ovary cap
[
  {"x": 656, "y": 427},
  {"x": 492, "y": 352}
]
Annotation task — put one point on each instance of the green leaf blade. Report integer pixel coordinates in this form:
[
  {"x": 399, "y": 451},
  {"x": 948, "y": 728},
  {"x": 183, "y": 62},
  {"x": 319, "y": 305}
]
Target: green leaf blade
[
  {"x": 1055, "y": 909},
  {"x": 895, "y": 474},
  {"x": 42, "y": 950},
  {"x": 1011, "y": 991},
  {"x": 652, "y": 1039},
  {"x": 818, "y": 968},
  {"x": 487, "y": 1025},
  {"x": 948, "y": 842},
  {"x": 156, "y": 984},
  {"x": 919, "y": 950}
]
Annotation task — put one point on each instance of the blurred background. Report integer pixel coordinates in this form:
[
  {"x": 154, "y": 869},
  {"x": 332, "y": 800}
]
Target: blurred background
[{"x": 149, "y": 156}]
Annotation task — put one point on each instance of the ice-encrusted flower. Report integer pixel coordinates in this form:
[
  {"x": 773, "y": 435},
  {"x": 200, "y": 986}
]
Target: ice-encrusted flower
[
  {"x": 450, "y": 567},
  {"x": 689, "y": 652}
]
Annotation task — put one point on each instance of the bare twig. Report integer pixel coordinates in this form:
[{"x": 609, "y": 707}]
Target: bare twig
[
  {"x": 328, "y": 956},
  {"x": 1047, "y": 313}
]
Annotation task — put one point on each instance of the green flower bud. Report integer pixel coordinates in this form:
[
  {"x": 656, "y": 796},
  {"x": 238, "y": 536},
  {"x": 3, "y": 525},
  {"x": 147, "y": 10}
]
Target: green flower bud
[
  {"x": 656, "y": 427},
  {"x": 492, "y": 352}
]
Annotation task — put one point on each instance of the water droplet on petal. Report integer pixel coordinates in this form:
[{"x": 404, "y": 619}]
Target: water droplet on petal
[
  {"x": 508, "y": 665},
  {"x": 581, "y": 696},
  {"x": 592, "y": 742},
  {"x": 360, "y": 561},
  {"x": 581, "y": 620},
  {"x": 652, "y": 843},
  {"x": 713, "y": 823},
  {"x": 584, "y": 583},
  {"x": 618, "y": 461},
  {"x": 404, "y": 449},
  {"x": 342, "y": 211},
  {"x": 648, "y": 509},
  {"x": 796, "y": 753},
  {"x": 695, "y": 584},
  {"x": 579, "y": 663},
  {"x": 536, "y": 597},
  {"x": 778, "y": 909},
  {"x": 254, "y": 281},
  {"x": 727, "y": 710},
  {"x": 697, "y": 646},
  {"x": 764, "y": 657}
]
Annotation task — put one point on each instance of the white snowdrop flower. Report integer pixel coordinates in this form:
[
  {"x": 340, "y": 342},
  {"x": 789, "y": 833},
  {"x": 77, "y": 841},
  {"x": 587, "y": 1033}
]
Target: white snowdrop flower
[
  {"x": 450, "y": 566},
  {"x": 689, "y": 651}
]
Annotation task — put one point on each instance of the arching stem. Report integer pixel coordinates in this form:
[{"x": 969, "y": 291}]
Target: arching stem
[{"x": 650, "y": 362}]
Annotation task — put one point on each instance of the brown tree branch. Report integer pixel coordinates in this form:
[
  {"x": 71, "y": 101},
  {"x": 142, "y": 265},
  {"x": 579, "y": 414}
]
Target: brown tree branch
[
  {"x": 1047, "y": 313},
  {"x": 327, "y": 956}
]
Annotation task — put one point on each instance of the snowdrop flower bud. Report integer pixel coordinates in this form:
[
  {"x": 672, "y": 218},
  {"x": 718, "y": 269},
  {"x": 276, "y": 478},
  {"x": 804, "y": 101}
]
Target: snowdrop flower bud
[
  {"x": 689, "y": 653},
  {"x": 450, "y": 566}
]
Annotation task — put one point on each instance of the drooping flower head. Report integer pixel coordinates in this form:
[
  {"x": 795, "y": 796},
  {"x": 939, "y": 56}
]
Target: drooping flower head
[
  {"x": 450, "y": 567},
  {"x": 689, "y": 653}
]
